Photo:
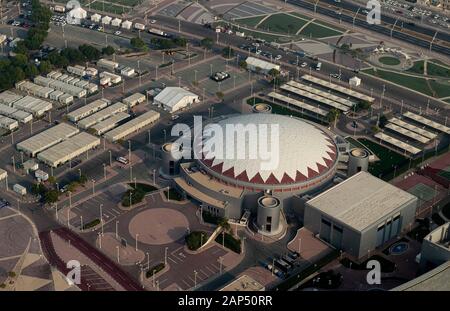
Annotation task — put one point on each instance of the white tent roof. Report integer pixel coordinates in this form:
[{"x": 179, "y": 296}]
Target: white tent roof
[
  {"x": 171, "y": 96},
  {"x": 78, "y": 13}
]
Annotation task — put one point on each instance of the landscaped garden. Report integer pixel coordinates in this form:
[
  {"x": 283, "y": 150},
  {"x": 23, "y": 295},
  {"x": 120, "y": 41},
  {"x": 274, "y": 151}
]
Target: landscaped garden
[
  {"x": 279, "y": 109},
  {"x": 389, "y": 60},
  {"x": 389, "y": 159},
  {"x": 229, "y": 241},
  {"x": 136, "y": 194},
  {"x": 155, "y": 269},
  {"x": 196, "y": 239},
  {"x": 173, "y": 195}
]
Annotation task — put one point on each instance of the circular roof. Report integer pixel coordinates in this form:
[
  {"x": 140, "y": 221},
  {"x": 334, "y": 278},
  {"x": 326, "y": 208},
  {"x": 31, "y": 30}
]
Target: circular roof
[{"x": 304, "y": 150}]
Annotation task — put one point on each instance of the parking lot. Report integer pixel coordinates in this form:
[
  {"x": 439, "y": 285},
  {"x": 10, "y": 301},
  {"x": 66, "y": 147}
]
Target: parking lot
[
  {"x": 90, "y": 209},
  {"x": 203, "y": 73}
]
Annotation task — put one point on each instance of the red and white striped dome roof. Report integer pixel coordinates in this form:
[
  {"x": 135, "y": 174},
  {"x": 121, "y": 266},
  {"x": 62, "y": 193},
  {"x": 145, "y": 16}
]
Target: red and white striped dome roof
[{"x": 304, "y": 150}]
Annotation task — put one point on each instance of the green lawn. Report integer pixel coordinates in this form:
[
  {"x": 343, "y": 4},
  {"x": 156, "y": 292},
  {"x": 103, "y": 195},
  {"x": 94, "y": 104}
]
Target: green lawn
[
  {"x": 329, "y": 25},
  {"x": 441, "y": 89},
  {"x": 250, "y": 21},
  {"x": 109, "y": 8},
  {"x": 414, "y": 83},
  {"x": 389, "y": 60},
  {"x": 436, "y": 70},
  {"x": 279, "y": 109},
  {"x": 417, "y": 67},
  {"x": 388, "y": 159},
  {"x": 317, "y": 31},
  {"x": 282, "y": 23}
]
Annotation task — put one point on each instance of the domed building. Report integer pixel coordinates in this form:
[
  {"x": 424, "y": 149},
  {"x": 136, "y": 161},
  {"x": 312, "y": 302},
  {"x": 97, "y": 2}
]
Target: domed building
[{"x": 299, "y": 157}]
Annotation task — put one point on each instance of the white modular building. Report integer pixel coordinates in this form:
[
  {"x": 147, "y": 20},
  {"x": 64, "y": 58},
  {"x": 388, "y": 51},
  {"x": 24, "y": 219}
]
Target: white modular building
[
  {"x": 65, "y": 99},
  {"x": 132, "y": 126},
  {"x": 259, "y": 65},
  {"x": 87, "y": 110},
  {"x": 173, "y": 99},
  {"x": 91, "y": 88},
  {"x": 82, "y": 83},
  {"x": 116, "y": 22},
  {"x": 127, "y": 71},
  {"x": 113, "y": 77},
  {"x": 354, "y": 81},
  {"x": 8, "y": 98},
  {"x": 37, "y": 107},
  {"x": 68, "y": 149},
  {"x": 107, "y": 64},
  {"x": 133, "y": 100},
  {"x": 46, "y": 139},
  {"x": 76, "y": 70},
  {"x": 91, "y": 71},
  {"x": 13, "y": 113},
  {"x": 8, "y": 123},
  {"x": 3, "y": 174},
  {"x": 54, "y": 74},
  {"x": 109, "y": 123},
  {"x": 102, "y": 115},
  {"x": 127, "y": 25},
  {"x": 61, "y": 85}
]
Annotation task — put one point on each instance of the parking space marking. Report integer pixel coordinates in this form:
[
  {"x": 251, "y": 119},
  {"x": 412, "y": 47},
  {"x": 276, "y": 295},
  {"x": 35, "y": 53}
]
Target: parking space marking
[
  {"x": 172, "y": 260},
  {"x": 210, "y": 270}
]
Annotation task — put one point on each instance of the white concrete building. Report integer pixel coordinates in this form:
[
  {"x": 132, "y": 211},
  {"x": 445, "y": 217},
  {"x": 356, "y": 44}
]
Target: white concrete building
[
  {"x": 109, "y": 123},
  {"x": 173, "y": 99},
  {"x": 127, "y": 72},
  {"x": 102, "y": 115},
  {"x": 113, "y": 77},
  {"x": 360, "y": 214}
]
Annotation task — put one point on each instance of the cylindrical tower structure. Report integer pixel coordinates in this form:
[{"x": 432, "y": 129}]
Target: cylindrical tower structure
[
  {"x": 358, "y": 160},
  {"x": 171, "y": 157},
  {"x": 268, "y": 215},
  {"x": 261, "y": 108}
]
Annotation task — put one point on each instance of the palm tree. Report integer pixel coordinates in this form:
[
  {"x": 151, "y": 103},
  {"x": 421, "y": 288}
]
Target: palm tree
[{"x": 223, "y": 223}]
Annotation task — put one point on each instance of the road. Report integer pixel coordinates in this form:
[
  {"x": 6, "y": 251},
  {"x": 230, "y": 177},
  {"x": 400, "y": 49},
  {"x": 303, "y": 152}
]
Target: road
[{"x": 386, "y": 19}]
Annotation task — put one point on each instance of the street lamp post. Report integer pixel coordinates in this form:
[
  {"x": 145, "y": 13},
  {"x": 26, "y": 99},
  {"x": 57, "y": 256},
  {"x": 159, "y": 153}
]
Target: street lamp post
[
  {"x": 104, "y": 170},
  {"x": 117, "y": 229},
  {"x": 165, "y": 256},
  {"x": 137, "y": 235}
]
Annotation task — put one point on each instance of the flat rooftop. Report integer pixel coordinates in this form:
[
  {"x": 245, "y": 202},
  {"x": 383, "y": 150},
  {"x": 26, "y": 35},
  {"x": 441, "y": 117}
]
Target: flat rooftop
[
  {"x": 243, "y": 283},
  {"x": 209, "y": 182},
  {"x": 434, "y": 280},
  {"x": 361, "y": 200},
  {"x": 48, "y": 138}
]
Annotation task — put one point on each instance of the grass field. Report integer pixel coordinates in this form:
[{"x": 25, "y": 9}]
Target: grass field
[
  {"x": 441, "y": 89},
  {"x": 436, "y": 70},
  {"x": 279, "y": 109},
  {"x": 417, "y": 67},
  {"x": 109, "y": 8},
  {"x": 329, "y": 25},
  {"x": 414, "y": 83},
  {"x": 388, "y": 159},
  {"x": 314, "y": 30},
  {"x": 250, "y": 21},
  {"x": 389, "y": 60},
  {"x": 282, "y": 23}
]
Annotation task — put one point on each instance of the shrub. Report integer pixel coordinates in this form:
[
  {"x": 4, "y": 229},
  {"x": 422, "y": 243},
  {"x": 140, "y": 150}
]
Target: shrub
[
  {"x": 155, "y": 269},
  {"x": 196, "y": 239}
]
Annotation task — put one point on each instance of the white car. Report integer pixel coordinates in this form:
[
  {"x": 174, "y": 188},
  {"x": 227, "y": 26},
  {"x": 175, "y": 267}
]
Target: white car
[
  {"x": 303, "y": 65},
  {"x": 175, "y": 116},
  {"x": 118, "y": 32},
  {"x": 152, "y": 21},
  {"x": 278, "y": 57}
]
